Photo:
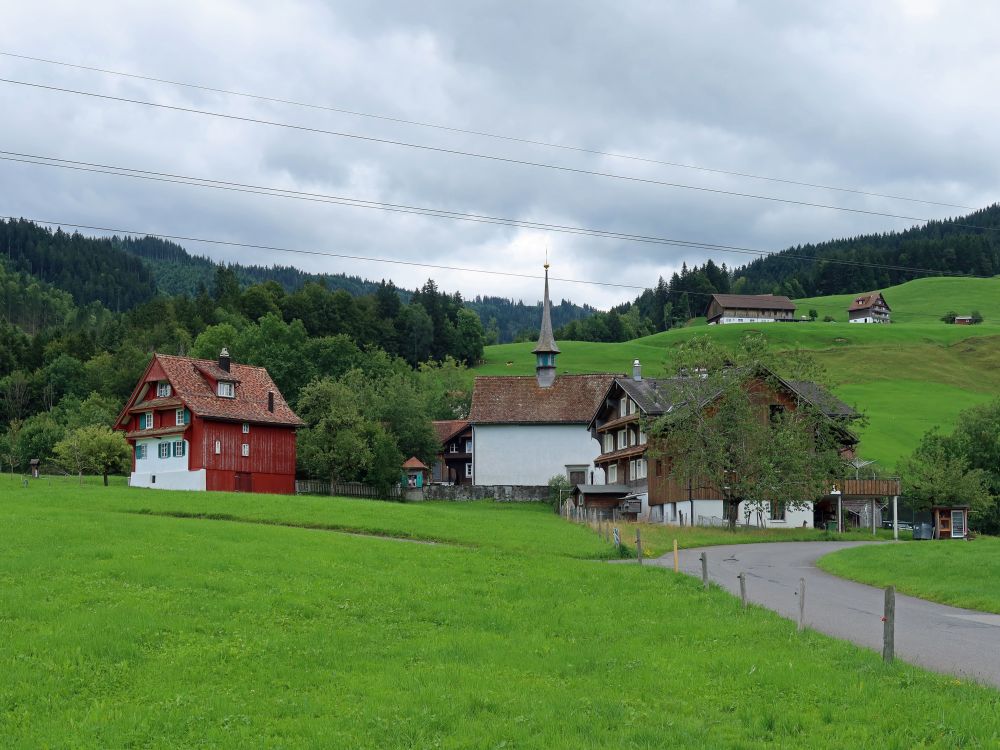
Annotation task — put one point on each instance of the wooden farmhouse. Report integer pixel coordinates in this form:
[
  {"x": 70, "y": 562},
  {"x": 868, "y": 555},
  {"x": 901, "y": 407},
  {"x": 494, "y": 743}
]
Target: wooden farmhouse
[
  {"x": 749, "y": 308},
  {"x": 525, "y": 430},
  {"x": 639, "y": 470},
  {"x": 197, "y": 424},
  {"x": 454, "y": 462},
  {"x": 869, "y": 308}
]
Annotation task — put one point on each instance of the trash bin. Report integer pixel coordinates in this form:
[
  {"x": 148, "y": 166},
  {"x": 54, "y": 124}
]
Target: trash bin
[
  {"x": 831, "y": 525},
  {"x": 923, "y": 531}
]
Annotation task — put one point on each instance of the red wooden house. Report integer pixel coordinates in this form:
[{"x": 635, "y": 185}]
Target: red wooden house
[{"x": 195, "y": 424}]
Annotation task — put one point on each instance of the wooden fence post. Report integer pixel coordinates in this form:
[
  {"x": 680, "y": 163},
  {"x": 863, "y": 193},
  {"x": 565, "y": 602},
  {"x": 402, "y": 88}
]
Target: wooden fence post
[
  {"x": 638, "y": 545},
  {"x": 618, "y": 540},
  {"x": 802, "y": 604},
  {"x": 743, "y": 589},
  {"x": 704, "y": 570},
  {"x": 889, "y": 625},
  {"x": 677, "y": 565}
]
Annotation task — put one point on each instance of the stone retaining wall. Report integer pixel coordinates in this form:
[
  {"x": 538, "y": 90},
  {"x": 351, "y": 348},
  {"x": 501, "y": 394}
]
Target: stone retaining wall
[{"x": 510, "y": 493}]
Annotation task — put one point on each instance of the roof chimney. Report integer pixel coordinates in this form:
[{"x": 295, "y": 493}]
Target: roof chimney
[
  {"x": 224, "y": 359},
  {"x": 636, "y": 370}
]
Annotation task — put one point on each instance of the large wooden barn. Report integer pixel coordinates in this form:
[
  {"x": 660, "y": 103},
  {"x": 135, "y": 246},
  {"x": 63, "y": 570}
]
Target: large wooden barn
[{"x": 197, "y": 424}]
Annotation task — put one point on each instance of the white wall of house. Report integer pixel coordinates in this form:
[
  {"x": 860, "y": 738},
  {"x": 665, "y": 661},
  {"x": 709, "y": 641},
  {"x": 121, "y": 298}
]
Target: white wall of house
[
  {"x": 672, "y": 512},
  {"x": 725, "y": 321},
  {"x": 531, "y": 454},
  {"x": 794, "y": 519},
  {"x": 169, "y": 473},
  {"x": 868, "y": 319},
  {"x": 715, "y": 509}
]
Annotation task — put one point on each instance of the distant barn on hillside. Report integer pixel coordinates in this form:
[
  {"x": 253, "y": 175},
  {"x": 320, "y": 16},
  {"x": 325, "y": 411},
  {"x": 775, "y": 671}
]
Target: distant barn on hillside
[{"x": 749, "y": 308}]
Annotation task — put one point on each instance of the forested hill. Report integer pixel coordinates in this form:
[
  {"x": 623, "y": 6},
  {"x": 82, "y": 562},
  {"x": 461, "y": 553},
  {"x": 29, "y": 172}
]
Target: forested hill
[
  {"x": 178, "y": 272},
  {"x": 124, "y": 272},
  {"x": 944, "y": 246},
  {"x": 91, "y": 269}
]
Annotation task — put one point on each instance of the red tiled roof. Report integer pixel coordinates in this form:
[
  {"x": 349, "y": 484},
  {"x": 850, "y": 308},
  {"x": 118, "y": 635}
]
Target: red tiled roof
[
  {"x": 498, "y": 399},
  {"x": 864, "y": 301},
  {"x": 446, "y": 428},
  {"x": 250, "y": 403},
  {"x": 414, "y": 463}
]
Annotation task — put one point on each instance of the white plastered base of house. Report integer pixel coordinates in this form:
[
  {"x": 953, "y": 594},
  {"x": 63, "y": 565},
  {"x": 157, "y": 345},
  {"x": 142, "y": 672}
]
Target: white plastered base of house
[
  {"x": 712, "y": 512},
  {"x": 169, "y": 480}
]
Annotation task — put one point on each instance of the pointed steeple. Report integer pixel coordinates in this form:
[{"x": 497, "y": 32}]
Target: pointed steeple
[{"x": 546, "y": 349}]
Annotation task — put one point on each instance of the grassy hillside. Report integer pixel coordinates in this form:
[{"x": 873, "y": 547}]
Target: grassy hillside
[
  {"x": 907, "y": 377},
  {"x": 125, "y": 629}
]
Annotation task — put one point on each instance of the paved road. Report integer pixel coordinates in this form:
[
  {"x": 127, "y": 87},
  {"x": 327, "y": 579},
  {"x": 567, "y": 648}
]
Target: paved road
[{"x": 945, "y": 639}]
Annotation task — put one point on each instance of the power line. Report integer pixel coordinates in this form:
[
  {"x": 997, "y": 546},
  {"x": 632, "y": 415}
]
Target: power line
[
  {"x": 481, "y": 133},
  {"x": 118, "y": 171},
  {"x": 477, "y": 155},
  {"x": 461, "y": 269}
]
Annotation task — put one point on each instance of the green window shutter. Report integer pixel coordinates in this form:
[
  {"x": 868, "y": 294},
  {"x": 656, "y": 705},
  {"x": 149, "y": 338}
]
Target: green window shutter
[{"x": 187, "y": 416}]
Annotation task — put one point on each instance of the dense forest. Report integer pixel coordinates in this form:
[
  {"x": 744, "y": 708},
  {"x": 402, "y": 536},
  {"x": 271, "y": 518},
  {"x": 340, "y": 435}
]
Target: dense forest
[{"x": 948, "y": 247}]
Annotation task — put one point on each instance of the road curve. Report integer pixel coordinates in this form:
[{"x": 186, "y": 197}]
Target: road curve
[{"x": 945, "y": 639}]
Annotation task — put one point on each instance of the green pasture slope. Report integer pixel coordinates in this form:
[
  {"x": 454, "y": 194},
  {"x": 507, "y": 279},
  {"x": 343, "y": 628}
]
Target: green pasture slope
[
  {"x": 125, "y": 626},
  {"x": 907, "y": 377},
  {"x": 963, "y": 574}
]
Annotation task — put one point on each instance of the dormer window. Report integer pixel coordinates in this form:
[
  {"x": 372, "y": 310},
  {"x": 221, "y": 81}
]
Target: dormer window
[
  {"x": 163, "y": 390},
  {"x": 227, "y": 389}
]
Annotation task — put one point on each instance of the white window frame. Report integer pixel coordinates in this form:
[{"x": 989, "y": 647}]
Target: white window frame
[
  {"x": 140, "y": 451},
  {"x": 218, "y": 447},
  {"x": 612, "y": 473},
  {"x": 622, "y": 439},
  {"x": 160, "y": 452},
  {"x": 245, "y": 450},
  {"x": 609, "y": 442},
  {"x": 179, "y": 416},
  {"x": 468, "y": 447},
  {"x": 178, "y": 449},
  {"x": 163, "y": 390},
  {"x": 623, "y": 406},
  {"x": 642, "y": 436},
  {"x": 453, "y": 447},
  {"x": 468, "y": 470},
  {"x": 226, "y": 389},
  {"x": 147, "y": 420},
  {"x": 246, "y": 428},
  {"x": 955, "y": 527},
  {"x": 631, "y": 470}
]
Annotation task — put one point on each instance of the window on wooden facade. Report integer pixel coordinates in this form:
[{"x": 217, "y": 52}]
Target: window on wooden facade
[
  {"x": 468, "y": 445},
  {"x": 218, "y": 447},
  {"x": 140, "y": 451},
  {"x": 640, "y": 469},
  {"x": 642, "y": 436},
  {"x": 609, "y": 442},
  {"x": 146, "y": 421},
  {"x": 659, "y": 467},
  {"x": 163, "y": 390},
  {"x": 179, "y": 416},
  {"x": 623, "y": 407},
  {"x": 612, "y": 473},
  {"x": 631, "y": 469},
  {"x": 178, "y": 449},
  {"x": 245, "y": 449},
  {"x": 246, "y": 428},
  {"x": 227, "y": 389},
  {"x": 468, "y": 471},
  {"x": 777, "y": 511},
  {"x": 164, "y": 450},
  {"x": 622, "y": 439},
  {"x": 453, "y": 448}
]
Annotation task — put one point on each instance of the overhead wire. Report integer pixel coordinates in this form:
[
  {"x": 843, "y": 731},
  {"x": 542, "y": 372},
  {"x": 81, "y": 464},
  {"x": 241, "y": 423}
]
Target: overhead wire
[
  {"x": 394, "y": 261},
  {"x": 477, "y": 155},
  {"x": 119, "y": 171},
  {"x": 479, "y": 133}
]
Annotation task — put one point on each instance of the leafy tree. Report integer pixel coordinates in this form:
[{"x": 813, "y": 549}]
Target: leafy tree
[
  {"x": 559, "y": 489},
  {"x": 212, "y": 340},
  {"x": 977, "y": 317},
  {"x": 813, "y": 314},
  {"x": 93, "y": 448},
  {"x": 949, "y": 317},
  {"x": 936, "y": 474},
  {"x": 469, "y": 338},
  {"x": 728, "y": 442}
]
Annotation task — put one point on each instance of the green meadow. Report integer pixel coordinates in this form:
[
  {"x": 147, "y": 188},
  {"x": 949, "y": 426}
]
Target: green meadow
[
  {"x": 963, "y": 574},
  {"x": 143, "y": 618},
  {"x": 907, "y": 377}
]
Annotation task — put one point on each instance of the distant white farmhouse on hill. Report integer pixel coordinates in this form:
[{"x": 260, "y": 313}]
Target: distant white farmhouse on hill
[
  {"x": 749, "y": 308},
  {"x": 869, "y": 308}
]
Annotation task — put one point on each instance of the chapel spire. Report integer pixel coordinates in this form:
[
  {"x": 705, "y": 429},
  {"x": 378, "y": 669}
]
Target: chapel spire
[{"x": 546, "y": 349}]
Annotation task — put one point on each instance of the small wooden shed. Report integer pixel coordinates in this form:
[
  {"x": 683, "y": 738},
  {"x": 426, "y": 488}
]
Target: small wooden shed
[
  {"x": 35, "y": 465},
  {"x": 951, "y": 521}
]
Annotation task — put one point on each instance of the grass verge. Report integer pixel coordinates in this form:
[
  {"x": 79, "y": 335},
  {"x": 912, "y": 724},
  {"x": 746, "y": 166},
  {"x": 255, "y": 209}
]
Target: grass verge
[{"x": 963, "y": 574}]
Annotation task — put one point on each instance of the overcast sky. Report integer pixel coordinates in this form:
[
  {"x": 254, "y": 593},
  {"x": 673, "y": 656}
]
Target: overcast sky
[{"x": 891, "y": 97}]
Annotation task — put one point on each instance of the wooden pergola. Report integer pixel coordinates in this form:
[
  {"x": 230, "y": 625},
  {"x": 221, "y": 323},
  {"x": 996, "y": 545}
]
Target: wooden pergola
[{"x": 865, "y": 493}]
